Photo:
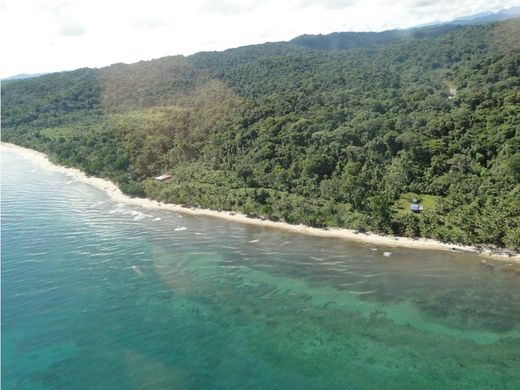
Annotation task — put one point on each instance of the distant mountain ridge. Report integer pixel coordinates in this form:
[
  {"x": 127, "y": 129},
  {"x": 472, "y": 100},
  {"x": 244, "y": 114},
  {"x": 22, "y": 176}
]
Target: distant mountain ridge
[
  {"x": 23, "y": 76},
  {"x": 349, "y": 40},
  {"x": 489, "y": 16}
]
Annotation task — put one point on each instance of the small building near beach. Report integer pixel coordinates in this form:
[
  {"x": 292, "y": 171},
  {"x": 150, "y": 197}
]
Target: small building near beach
[
  {"x": 416, "y": 207},
  {"x": 163, "y": 177}
]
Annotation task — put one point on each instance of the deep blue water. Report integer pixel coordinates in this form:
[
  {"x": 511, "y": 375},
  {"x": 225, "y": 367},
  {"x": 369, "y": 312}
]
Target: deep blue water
[{"x": 102, "y": 295}]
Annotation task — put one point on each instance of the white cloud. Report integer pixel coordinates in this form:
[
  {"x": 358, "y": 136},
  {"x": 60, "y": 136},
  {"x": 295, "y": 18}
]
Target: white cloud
[
  {"x": 229, "y": 7},
  {"x": 52, "y": 35},
  {"x": 72, "y": 29},
  {"x": 151, "y": 22},
  {"x": 327, "y": 4}
]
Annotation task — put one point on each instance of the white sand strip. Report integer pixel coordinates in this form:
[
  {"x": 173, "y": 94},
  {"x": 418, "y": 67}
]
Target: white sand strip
[{"x": 349, "y": 234}]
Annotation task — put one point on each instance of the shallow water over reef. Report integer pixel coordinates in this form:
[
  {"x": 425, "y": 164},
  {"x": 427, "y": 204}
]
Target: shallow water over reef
[{"x": 97, "y": 294}]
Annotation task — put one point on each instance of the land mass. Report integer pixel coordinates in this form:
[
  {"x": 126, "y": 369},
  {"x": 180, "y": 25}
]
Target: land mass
[
  {"x": 304, "y": 134},
  {"x": 383, "y": 240}
]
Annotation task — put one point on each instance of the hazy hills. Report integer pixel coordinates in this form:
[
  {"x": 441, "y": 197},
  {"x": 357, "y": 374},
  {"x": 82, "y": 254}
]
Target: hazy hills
[{"x": 348, "y": 40}]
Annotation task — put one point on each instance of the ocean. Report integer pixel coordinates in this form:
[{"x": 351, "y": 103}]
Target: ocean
[{"x": 102, "y": 295}]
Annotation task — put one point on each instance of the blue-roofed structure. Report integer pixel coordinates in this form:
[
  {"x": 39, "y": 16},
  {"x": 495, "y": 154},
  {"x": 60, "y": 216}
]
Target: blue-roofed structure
[{"x": 416, "y": 207}]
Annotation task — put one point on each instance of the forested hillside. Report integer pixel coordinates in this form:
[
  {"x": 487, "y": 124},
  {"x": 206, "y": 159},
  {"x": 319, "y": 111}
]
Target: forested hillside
[
  {"x": 349, "y": 40},
  {"x": 293, "y": 132}
]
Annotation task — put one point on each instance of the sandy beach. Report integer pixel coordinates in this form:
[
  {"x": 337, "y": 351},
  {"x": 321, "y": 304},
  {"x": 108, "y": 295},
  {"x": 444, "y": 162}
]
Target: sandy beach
[{"x": 348, "y": 234}]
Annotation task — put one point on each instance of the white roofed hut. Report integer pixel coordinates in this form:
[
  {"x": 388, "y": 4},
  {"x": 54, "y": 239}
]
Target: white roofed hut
[{"x": 163, "y": 177}]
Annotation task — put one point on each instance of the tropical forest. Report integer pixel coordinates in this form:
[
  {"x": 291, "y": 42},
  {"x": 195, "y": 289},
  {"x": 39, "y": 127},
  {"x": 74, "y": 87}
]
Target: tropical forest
[{"x": 343, "y": 130}]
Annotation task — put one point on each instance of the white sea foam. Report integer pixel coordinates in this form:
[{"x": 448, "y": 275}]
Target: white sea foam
[
  {"x": 137, "y": 270},
  {"x": 120, "y": 209},
  {"x": 362, "y": 292},
  {"x": 254, "y": 240},
  {"x": 387, "y": 254},
  {"x": 181, "y": 228},
  {"x": 156, "y": 219},
  {"x": 117, "y": 210},
  {"x": 73, "y": 176}
]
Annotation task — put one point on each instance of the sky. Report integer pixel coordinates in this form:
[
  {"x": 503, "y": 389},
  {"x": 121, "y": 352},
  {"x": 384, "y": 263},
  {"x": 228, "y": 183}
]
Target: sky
[{"x": 40, "y": 36}]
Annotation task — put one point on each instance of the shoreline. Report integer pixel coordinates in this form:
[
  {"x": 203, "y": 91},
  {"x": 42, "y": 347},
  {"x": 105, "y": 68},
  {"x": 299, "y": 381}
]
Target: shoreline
[{"x": 348, "y": 234}]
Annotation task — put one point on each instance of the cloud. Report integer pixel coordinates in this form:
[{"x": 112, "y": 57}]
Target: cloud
[
  {"x": 78, "y": 33},
  {"x": 228, "y": 7},
  {"x": 65, "y": 18},
  {"x": 224, "y": 8},
  {"x": 436, "y": 11},
  {"x": 57, "y": 9},
  {"x": 149, "y": 23},
  {"x": 424, "y": 3},
  {"x": 327, "y": 4},
  {"x": 72, "y": 30}
]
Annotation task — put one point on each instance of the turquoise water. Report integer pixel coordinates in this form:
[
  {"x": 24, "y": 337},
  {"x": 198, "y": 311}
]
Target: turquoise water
[{"x": 102, "y": 295}]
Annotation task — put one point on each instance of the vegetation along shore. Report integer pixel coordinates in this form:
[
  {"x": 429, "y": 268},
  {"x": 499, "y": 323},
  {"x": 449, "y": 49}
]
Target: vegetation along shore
[{"x": 384, "y": 240}]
